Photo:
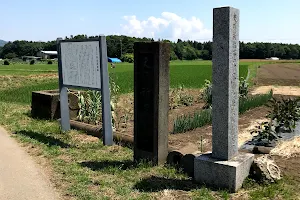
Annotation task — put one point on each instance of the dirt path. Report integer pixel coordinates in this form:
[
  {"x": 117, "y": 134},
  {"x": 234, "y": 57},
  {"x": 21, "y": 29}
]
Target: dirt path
[
  {"x": 277, "y": 90},
  {"x": 20, "y": 176},
  {"x": 285, "y": 74}
]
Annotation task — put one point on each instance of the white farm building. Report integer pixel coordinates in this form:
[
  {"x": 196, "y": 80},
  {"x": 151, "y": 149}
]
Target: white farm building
[
  {"x": 273, "y": 58},
  {"x": 47, "y": 54}
]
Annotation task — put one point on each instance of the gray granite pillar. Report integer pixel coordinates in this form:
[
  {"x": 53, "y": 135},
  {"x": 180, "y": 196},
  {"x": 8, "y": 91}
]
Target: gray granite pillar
[
  {"x": 151, "y": 101},
  {"x": 225, "y": 81},
  {"x": 225, "y": 167}
]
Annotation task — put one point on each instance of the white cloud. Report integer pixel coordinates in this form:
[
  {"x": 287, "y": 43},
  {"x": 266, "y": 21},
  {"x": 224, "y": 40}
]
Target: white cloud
[{"x": 168, "y": 26}]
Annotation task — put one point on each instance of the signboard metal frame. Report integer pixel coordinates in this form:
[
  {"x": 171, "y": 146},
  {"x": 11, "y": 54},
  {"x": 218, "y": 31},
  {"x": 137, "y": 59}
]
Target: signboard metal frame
[{"x": 105, "y": 93}]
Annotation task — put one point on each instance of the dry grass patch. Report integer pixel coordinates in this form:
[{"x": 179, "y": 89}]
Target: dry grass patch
[
  {"x": 10, "y": 82},
  {"x": 277, "y": 90},
  {"x": 287, "y": 149},
  {"x": 83, "y": 138}
]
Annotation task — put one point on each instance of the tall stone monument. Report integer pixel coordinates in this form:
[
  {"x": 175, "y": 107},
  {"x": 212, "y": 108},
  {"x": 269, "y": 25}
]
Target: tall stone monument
[
  {"x": 151, "y": 101},
  {"x": 225, "y": 167}
]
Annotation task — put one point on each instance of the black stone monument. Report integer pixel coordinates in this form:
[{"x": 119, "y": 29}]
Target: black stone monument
[{"x": 151, "y": 101}]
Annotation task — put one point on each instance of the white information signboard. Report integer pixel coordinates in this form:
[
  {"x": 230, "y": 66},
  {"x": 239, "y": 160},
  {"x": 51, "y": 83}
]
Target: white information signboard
[{"x": 81, "y": 64}]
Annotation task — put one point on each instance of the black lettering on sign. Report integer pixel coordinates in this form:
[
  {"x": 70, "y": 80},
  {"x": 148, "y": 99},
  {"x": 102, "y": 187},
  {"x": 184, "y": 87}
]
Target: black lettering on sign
[{"x": 145, "y": 102}]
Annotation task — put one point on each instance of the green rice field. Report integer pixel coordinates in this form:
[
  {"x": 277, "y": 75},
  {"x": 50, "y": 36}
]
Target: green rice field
[{"x": 190, "y": 74}]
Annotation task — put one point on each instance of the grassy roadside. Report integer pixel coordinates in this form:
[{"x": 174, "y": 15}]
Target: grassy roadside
[
  {"x": 85, "y": 169},
  {"x": 82, "y": 168},
  {"x": 252, "y": 74}
]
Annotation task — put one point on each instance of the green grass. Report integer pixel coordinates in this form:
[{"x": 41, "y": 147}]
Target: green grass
[
  {"x": 35, "y": 67},
  {"x": 189, "y": 122},
  {"x": 254, "y": 101},
  {"x": 201, "y": 118},
  {"x": 22, "y": 95},
  {"x": 252, "y": 73},
  {"x": 24, "y": 72},
  {"x": 283, "y": 189},
  {"x": 26, "y": 69}
]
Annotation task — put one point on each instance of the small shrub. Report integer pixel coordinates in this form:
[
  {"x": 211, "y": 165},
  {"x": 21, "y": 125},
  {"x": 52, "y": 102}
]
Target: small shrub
[
  {"x": 265, "y": 132},
  {"x": 89, "y": 106},
  {"x": 173, "y": 98},
  {"x": 32, "y": 62},
  {"x": 243, "y": 88},
  {"x": 285, "y": 112},
  {"x": 6, "y": 62},
  {"x": 114, "y": 99},
  {"x": 50, "y": 62},
  {"x": 178, "y": 97},
  {"x": 207, "y": 94},
  {"x": 186, "y": 100}
]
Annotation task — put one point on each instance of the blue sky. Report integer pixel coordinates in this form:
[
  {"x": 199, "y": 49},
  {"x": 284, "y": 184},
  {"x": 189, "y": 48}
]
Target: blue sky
[{"x": 260, "y": 20}]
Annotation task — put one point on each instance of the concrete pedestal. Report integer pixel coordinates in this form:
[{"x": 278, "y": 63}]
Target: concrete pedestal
[
  {"x": 229, "y": 174},
  {"x": 45, "y": 104}
]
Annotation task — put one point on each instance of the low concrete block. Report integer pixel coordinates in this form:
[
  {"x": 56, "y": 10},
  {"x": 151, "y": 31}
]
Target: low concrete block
[
  {"x": 45, "y": 104},
  {"x": 221, "y": 174}
]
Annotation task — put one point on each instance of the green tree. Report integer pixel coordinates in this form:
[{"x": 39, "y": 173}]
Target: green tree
[
  {"x": 205, "y": 55},
  {"x": 260, "y": 51},
  {"x": 173, "y": 56},
  {"x": 10, "y": 56},
  {"x": 179, "y": 50},
  {"x": 294, "y": 54},
  {"x": 118, "y": 45},
  {"x": 189, "y": 53},
  {"x": 1, "y": 56},
  {"x": 128, "y": 57}
]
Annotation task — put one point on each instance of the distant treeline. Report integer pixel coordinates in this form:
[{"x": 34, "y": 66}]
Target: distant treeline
[{"x": 122, "y": 47}]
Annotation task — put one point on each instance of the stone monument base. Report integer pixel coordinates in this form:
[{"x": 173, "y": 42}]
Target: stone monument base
[
  {"x": 220, "y": 174},
  {"x": 45, "y": 104}
]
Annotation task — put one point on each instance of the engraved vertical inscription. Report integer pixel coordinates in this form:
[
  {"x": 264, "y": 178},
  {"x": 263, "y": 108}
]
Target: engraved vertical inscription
[
  {"x": 145, "y": 102},
  {"x": 233, "y": 87},
  {"x": 234, "y": 39}
]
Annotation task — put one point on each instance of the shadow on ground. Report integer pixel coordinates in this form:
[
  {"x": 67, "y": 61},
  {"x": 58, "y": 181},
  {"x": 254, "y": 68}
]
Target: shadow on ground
[
  {"x": 156, "y": 184},
  {"x": 48, "y": 140},
  {"x": 102, "y": 165}
]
